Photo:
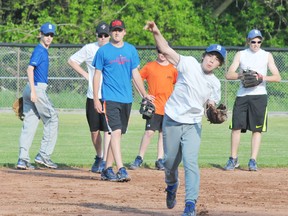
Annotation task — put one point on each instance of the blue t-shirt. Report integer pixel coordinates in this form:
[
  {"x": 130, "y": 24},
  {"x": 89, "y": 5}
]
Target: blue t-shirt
[
  {"x": 40, "y": 61},
  {"x": 116, "y": 65}
]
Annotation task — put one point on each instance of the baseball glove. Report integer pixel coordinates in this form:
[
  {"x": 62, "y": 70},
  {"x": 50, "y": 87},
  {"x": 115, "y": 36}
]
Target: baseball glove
[
  {"x": 251, "y": 78},
  {"x": 147, "y": 109},
  {"x": 18, "y": 108},
  {"x": 216, "y": 115}
]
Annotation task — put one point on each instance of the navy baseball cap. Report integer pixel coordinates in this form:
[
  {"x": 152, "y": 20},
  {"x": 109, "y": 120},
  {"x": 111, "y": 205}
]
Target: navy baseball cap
[
  {"x": 102, "y": 28},
  {"x": 217, "y": 48},
  {"x": 254, "y": 33},
  {"x": 117, "y": 24},
  {"x": 48, "y": 28}
]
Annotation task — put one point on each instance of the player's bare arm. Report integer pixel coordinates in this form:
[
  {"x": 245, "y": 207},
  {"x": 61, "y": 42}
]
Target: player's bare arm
[
  {"x": 232, "y": 74},
  {"x": 96, "y": 85},
  {"x": 138, "y": 82},
  {"x": 171, "y": 55},
  {"x": 78, "y": 69},
  {"x": 275, "y": 77},
  {"x": 30, "y": 74}
]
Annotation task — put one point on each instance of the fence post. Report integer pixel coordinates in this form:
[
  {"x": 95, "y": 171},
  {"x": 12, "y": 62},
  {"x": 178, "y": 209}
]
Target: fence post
[{"x": 18, "y": 72}]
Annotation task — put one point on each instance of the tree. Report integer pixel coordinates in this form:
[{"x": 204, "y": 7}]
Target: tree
[{"x": 184, "y": 23}]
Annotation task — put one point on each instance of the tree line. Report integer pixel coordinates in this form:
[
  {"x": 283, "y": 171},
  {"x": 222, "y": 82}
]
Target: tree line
[{"x": 183, "y": 23}]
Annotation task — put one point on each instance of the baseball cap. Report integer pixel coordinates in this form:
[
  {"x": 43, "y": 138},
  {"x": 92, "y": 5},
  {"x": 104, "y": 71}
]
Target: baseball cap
[
  {"x": 102, "y": 28},
  {"x": 254, "y": 33},
  {"x": 48, "y": 28},
  {"x": 117, "y": 24},
  {"x": 217, "y": 48}
]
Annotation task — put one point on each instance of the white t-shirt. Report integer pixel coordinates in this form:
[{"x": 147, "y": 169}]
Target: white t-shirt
[
  {"x": 192, "y": 90},
  {"x": 254, "y": 61},
  {"x": 86, "y": 54}
]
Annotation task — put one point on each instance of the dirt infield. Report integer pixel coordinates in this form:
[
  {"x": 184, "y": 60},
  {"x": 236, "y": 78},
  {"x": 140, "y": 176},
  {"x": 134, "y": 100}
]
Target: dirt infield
[{"x": 79, "y": 192}]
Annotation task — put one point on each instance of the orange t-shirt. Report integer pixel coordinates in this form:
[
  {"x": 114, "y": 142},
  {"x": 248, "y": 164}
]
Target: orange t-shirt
[{"x": 161, "y": 80}]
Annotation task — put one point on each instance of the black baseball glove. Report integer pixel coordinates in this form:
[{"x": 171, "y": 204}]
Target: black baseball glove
[
  {"x": 251, "y": 78},
  {"x": 216, "y": 115},
  {"x": 147, "y": 108},
  {"x": 18, "y": 108}
]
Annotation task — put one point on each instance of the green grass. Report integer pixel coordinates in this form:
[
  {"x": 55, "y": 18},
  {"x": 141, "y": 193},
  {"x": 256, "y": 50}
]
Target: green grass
[{"x": 74, "y": 147}]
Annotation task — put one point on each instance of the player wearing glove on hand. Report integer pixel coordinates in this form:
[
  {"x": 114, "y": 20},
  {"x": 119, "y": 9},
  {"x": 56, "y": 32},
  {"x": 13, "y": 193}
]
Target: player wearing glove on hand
[
  {"x": 38, "y": 106},
  {"x": 161, "y": 77},
  {"x": 251, "y": 78},
  {"x": 216, "y": 115},
  {"x": 250, "y": 107},
  {"x": 196, "y": 84}
]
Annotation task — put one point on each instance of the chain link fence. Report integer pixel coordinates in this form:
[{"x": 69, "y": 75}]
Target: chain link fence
[{"x": 67, "y": 89}]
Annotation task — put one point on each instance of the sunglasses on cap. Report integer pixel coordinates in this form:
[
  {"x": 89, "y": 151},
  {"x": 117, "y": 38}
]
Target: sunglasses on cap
[
  {"x": 254, "y": 42},
  {"x": 49, "y": 34},
  {"x": 103, "y": 35}
]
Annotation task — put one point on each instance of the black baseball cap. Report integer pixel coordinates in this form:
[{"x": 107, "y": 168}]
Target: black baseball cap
[
  {"x": 117, "y": 24},
  {"x": 102, "y": 28}
]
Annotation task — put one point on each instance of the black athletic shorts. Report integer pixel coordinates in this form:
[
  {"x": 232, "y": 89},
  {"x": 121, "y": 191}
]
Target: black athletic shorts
[
  {"x": 117, "y": 115},
  {"x": 155, "y": 123},
  {"x": 95, "y": 120},
  {"x": 250, "y": 113}
]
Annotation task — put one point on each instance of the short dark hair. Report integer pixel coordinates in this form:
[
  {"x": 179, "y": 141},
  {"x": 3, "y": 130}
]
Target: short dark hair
[{"x": 217, "y": 54}]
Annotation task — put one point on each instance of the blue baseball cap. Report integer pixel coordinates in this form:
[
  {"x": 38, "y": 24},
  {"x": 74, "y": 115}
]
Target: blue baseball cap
[
  {"x": 254, "y": 33},
  {"x": 48, "y": 28},
  {"x": 217, "y": 48}
]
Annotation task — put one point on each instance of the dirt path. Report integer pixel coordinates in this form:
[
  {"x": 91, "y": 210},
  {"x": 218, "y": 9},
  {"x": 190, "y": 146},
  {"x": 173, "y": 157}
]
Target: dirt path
[{"x": 79, "y": 192}]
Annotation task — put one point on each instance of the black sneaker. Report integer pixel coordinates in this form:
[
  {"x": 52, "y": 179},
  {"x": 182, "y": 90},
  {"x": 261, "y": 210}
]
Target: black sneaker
[
  {"x": 159, "y": 164},
  {"x": 24, "y": 165},
  {"x": 46, "y": 162}
]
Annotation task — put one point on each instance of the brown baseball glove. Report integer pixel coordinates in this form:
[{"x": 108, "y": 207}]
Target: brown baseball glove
[
  {"x": 251, "y": 78},
  {"x": 18, "y": 108},
  {"x": 216, "y": 115}
]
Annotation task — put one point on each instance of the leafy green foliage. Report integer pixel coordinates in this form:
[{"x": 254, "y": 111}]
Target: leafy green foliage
[{"x": 183, "y": 23}]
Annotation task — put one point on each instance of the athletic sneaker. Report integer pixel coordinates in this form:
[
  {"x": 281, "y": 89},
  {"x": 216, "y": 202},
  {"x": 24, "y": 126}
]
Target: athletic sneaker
[
  {"x": 159, "y": 164},
  {"x": 24, "y": 165},
  {"x": 252, "y": 165},
  {"x": 232, "y": 163},
  {"x": 122, "y": 175},
  {"x": 171, "y": 195},
  {"x": 108, "y": 175},
  {"x": 96, "y": 165},
  {"x": 102, "y": 166},
  {"x": 189, "y": 209},
  {"x": 137, "y": 163},
  {"x": 46, "y": 162}
]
